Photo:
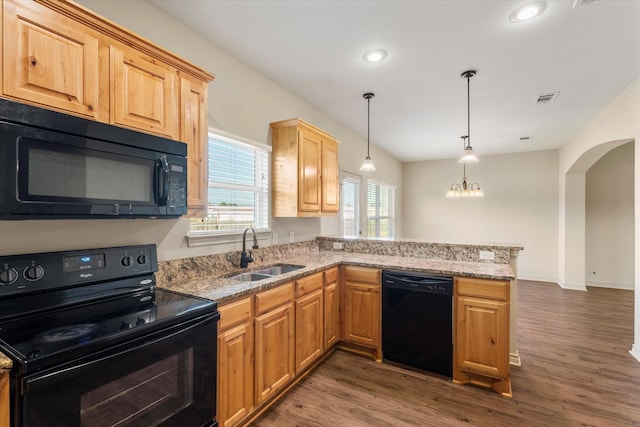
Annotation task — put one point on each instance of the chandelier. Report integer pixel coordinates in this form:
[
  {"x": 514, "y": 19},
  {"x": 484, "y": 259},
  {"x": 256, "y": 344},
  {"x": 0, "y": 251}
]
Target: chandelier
[{"x": 465, "y": 189}]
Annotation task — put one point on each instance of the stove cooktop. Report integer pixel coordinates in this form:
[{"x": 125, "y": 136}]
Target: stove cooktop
[{"x": 42, "y": 340}]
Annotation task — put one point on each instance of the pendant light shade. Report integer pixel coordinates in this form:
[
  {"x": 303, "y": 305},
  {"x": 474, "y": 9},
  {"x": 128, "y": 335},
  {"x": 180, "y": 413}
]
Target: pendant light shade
[
  {"x": 367, "y": 165},
  {"x": 468, "y": 156}
]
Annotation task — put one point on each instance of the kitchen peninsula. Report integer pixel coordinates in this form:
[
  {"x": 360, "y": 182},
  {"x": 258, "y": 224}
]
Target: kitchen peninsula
[{"x": 275, "y": 329}]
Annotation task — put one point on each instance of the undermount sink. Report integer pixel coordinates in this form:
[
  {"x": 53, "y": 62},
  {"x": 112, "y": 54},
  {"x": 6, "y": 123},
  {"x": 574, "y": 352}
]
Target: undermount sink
[
  {"x": 276, "y": 270},
  {"x": 250, "y": 277},
  {"x": 266, "y": 272}
]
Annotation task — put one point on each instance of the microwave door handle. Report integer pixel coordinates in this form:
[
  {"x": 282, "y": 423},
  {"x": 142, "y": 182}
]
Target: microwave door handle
[{"x": 162, "y": 167}]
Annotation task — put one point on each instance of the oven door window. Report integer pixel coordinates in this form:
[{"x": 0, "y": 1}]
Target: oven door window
[
  {"x": 52, "y": 172},
  {"x": 169, "y": 382}
]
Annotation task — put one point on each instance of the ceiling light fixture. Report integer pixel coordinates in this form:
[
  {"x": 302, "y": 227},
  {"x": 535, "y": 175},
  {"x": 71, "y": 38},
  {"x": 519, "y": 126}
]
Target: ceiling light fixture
[
  {"x": 367, "y": 165},
  {"x": 468, "y": 156},
  {"x": 374, "y": 56},
  {"x": 527, "y": 11},
  {"x": 465, "y": 189}
]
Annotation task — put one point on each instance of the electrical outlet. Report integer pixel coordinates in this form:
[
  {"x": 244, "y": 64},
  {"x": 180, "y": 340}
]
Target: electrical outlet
[
  {"x": 291, "y": 237},
  {"x": 486, "y": 255},
  {"x": 337, "y": 245}
]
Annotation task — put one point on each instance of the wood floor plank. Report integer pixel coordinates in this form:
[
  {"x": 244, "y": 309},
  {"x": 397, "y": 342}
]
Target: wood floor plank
[{"x": 576, "y": 371}]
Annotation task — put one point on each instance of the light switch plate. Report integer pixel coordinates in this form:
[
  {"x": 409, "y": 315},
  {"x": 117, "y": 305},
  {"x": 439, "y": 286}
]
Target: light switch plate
[
  {"x": 337, "y": 245},
  {"x": 291, "y": 237}
]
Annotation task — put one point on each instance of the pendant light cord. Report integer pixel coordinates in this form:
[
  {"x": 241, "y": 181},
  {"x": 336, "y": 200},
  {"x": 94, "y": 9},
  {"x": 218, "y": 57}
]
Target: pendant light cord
[
  {"x": 468, "y": 111},
  {"x": 368, "y": 122}
]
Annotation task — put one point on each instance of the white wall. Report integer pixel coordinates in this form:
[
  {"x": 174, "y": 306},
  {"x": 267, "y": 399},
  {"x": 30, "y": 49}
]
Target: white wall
[
  {"x": 241, "y": 102},
  {"x": 615, "y": 125},
  {"x": 520, "y": 206},
  {"x": 609, "y": 220}
]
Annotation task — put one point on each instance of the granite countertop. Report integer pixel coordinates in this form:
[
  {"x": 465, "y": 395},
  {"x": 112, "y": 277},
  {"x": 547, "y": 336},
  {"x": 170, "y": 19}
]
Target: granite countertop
[{"x": 223, "y": 289}]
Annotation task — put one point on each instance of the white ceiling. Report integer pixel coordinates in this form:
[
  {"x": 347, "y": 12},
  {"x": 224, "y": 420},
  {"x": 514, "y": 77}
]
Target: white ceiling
[{"x": 314, "y": 48}]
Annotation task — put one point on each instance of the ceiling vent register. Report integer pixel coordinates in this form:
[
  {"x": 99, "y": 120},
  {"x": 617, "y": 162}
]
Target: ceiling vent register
[{"x": 547, "y": 98}]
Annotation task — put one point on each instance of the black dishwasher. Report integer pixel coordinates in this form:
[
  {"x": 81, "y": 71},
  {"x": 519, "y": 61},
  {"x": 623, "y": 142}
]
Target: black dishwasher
[{"x": 417, "y": 320}]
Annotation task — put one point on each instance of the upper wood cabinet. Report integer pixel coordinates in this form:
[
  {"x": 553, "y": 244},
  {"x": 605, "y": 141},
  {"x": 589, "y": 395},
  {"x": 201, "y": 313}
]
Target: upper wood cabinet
[
  {"x": 59, "y": 55},
  {"x": 50, "y": 60},
  {"x": 193, "y": 131},
  {"x": 144, "y": 93},
  {"x": 305, "y": 170},
  {"x": 481, "y": 347}
]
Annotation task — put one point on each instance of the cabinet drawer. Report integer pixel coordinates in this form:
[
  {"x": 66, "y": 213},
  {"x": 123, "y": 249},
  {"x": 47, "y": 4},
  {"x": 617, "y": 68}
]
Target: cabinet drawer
[
  {"x": 362, "y": 274},
  {"x": 272, "y": 298},
  {"x": 308, "y": 284},
  {"x": 235, "y": 312},
  {"x": 485, "y": 288},
  {"x": 331, "y": 275}
]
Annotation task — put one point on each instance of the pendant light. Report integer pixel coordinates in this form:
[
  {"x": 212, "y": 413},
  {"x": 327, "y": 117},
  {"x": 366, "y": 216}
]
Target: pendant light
[
  {"x": 367, "y": 165},
  {"x": 465, "y": 189},
  {"x": 469, "y": 156}
]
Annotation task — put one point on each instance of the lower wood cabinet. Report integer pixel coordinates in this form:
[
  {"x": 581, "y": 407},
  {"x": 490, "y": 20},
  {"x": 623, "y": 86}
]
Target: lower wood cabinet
[
  {"x": 235, "y": 363},
  {"x": 361, "y": 321},
  {"x": 4, "y": 399},
  {"x": 331, "y": 308},
  {"x": 275, "y": 344},
  {"x": 481, "y": 348},
  {"x": 309, "y": 320}
]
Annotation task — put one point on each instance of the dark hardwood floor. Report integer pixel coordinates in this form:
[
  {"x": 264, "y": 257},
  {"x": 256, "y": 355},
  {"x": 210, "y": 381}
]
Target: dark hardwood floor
[{"x": 576, "y": 371}]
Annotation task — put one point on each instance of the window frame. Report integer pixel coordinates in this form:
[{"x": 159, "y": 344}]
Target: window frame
[
  {"x": 357, "y": 180},
  {"x": 392, "y": 210},
  {"x": 211, "y": 237}
]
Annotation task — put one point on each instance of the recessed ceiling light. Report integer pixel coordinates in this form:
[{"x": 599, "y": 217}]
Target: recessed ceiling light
[
  {"x": 375, "y": 55},
  {"x": 528, "y": 11}
]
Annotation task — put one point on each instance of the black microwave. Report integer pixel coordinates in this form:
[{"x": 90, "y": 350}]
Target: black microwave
[{"x": 53, "y": 165}]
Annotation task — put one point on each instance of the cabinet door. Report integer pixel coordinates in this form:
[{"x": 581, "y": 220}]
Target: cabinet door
[
  {"x": 362, "y": 314},
  {"x": 331, "y": 315},
  {"x": 4, "y": 399},
  {"x": 330, "y": 176},
  {"x": 49, "y": 60},
  {"x": 143, "y": 93},
  {"x": 482, "y": 336},
  {"x": 235, "y": 374},
  {"x": 309, "y": 154},
  {"x": 275, "y": 350},
  {"x": 309, "y": 329},
  {"x": 193, "y": 132}
]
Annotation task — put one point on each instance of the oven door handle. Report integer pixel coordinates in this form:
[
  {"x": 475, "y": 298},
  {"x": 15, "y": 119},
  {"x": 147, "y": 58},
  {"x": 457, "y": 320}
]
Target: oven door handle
[{"x": 71, "y": 369}]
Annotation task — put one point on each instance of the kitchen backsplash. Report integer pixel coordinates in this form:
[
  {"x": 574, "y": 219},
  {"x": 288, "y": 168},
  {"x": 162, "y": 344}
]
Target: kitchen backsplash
[
  {"x": 228, "y": 262},
  {"x": 407, "y": 248}
]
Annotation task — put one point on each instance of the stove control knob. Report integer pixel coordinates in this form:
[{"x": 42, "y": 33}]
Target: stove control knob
[
  {"x": 33, "y": 273},
  {"x": 142, "y": 259},
  {"x": 126, "y": 261},
  {"x": 8, "y": 276},
  {"x": 140, "y": 321},
  {"x": 124, "y": 326}
]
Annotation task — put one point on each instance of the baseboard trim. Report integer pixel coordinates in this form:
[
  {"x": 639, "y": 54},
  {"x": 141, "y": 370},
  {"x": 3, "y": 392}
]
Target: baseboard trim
[
  {"x": 538, "y": 279},
  {"x": 574, "y": 286},
  {"x": 626, "y": 287},
  {"x": 635, "y": 352}
]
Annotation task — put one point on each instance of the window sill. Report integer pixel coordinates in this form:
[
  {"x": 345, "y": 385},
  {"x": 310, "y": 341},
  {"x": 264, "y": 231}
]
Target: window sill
[{"x": 205, "y": 239}]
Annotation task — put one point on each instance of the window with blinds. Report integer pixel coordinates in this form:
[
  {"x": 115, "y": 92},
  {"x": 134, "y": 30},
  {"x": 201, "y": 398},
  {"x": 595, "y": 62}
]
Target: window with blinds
[
  {"x": 380, "y": 209},
  {"x": 238, "y": 182}
]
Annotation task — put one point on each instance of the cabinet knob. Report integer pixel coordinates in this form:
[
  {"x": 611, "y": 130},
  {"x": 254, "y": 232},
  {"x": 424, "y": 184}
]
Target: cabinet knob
[{"x": 32, "y": 60}]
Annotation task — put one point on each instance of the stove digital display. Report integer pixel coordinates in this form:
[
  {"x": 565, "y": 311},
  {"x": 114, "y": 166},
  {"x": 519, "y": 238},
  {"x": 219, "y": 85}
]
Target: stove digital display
[{"x": 82, "y": 262}]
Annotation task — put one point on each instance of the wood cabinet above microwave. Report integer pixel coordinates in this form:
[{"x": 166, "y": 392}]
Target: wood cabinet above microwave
[
  {"x": 305, "y": 170},
  {"x": 61, "y": 56}
]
